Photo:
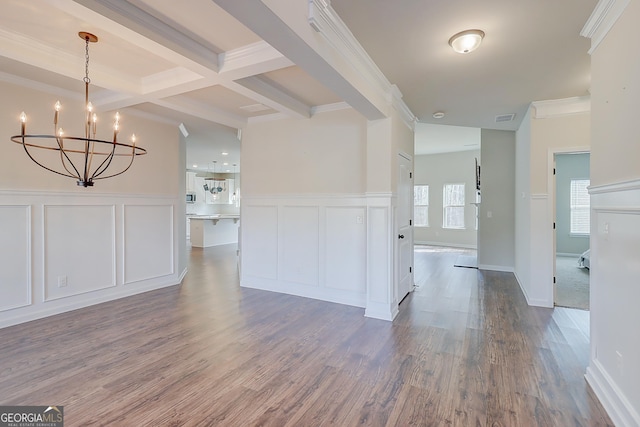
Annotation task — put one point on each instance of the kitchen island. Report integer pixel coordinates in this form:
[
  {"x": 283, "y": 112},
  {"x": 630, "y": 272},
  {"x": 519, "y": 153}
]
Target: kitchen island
[{"x": 213, "y": 230}]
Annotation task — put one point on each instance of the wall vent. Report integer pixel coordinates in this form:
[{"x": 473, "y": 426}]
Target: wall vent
[{"x": 505, "y": 117}]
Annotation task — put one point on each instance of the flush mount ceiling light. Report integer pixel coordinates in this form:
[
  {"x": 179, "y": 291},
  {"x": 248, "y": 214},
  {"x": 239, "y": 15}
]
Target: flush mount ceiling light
[
  {"x": 466, "y": 41},
  {"x": 84, "y": 158}
]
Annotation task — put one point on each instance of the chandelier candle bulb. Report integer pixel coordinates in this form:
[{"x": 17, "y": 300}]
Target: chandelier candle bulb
[
  {"x": 56, "y": 114},
  {"x": 23, "y": 121},
  {"x": 95, "y": 127},
  {"x": 116, "y": 126}
]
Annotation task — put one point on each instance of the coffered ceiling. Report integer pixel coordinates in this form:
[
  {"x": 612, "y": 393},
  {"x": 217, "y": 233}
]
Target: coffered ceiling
[{"x": 192, "y": 62}]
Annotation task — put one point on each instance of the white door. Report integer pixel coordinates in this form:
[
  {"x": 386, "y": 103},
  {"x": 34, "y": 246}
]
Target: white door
[{"x": 404, "y": 223}]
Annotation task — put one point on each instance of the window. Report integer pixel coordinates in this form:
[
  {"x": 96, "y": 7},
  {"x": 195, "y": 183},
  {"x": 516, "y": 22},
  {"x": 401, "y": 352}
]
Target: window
[
  {"x": 453, "y": 206},
  {"x": 580, "y": 209},
  {"x": 421, "y": 205}
]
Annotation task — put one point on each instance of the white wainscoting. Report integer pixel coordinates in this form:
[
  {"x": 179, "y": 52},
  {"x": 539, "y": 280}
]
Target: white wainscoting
[
  {"x": 382, "y": 283},
  {"x": 15, "y": 256},
  {"x": 540, "y": 290},
  {"x": 147, "y": 226},
  {"x": 79, "y": 249},
  {"x": 62, "y": 251},
  {"x": 345, "y": 240},
  {"x": 300, "y": 249},
  {"x": 260, "y": 254},
  {"x": 614, "y": 371},
  {"x": 307, "y": 246}
]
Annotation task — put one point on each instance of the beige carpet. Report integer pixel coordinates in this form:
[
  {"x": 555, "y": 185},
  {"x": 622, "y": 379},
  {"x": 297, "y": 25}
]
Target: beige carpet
[{"x": 572, "y": 283}]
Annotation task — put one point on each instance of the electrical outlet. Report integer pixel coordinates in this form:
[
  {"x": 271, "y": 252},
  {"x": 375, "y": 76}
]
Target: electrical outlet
[
  {"x": 489, "y": 214},
  {"x": 62, "y": 281},
  {"x": 359, "y": 220}
]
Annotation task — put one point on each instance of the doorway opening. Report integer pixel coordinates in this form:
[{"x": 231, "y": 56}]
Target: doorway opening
[{"x": 572, "y": 225}]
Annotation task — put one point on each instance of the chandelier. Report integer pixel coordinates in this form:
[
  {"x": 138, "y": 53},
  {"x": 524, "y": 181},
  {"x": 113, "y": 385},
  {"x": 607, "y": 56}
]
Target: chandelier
[{"x": 84, "y": 158}]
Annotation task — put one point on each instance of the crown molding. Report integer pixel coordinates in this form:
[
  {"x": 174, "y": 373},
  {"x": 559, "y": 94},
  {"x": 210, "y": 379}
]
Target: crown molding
[
  {"x": 168, "y": 78},
  {"x": 561, "y": 107},
  {"x": 41, "y": 87},
  {"x": 602, "y": 20},
  {"x": 323, "y": 19},
  {"x": 259, "y": 57},
  {"x": 337, "y": 106},
  {"x": 274, "y": 97},
  {"x": 405, "y": 113},
  {"x": 203, "y": 111},
  {"x": 267, "y": 118}
]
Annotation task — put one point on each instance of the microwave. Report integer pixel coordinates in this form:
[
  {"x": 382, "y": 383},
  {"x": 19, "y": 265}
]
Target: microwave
[{"x": 191, "y": 197}]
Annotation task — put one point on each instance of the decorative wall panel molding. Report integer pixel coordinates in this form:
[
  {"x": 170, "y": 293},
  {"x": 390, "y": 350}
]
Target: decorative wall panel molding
[
  {"x": 60, "y": 251},
  {"x": 147, "y": 237},
  {"x": 15, "y": 256},
  {"x": 345, "y": 239},
  {"x": 615, "y": 265},
  {"x": 300, "y": 249},
  {"x": 259, "y": 241},
  {"x": 78, "y": 249},
  {"x": 306, "y": 245}
]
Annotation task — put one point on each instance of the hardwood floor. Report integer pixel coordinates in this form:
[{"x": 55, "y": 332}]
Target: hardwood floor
[{"x": 465, "y": 350}]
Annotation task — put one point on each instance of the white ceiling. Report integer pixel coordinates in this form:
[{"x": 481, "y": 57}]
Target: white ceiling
[
  {"x": 192, "y": 62},
  {"x": 532, "y": 51}
]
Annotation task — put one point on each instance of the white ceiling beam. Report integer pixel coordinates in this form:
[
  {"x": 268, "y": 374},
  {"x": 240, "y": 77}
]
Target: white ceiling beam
[
  {"x": 114, "y": 101},
  {"x": 202, "y": 111},
  {"x": 239, "y": 63},
  {"x": 256, "y": 58},
  {"x": 295, "y": 40},
  {"x": 145, "y": 31},
  {"x": 275, "y": 98}
]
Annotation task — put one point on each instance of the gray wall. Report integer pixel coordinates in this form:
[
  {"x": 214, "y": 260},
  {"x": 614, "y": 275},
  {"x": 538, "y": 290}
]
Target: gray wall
[
  {"x": 436, "y": 170},
  {"x": 568, "y": 167},
  {"x": 496, "y": 228}
]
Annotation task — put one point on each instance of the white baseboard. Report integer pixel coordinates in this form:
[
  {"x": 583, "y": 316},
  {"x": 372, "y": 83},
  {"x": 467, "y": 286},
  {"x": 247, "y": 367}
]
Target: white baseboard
[
  {"x": 502, "y": 268},
  {"x": 530, "y": 301},
  {"x": 184, "y": 273},
  {"x": 620, "y": 410},
  {"x": 381, "y": 311},
  {"x": 306, "y": 291},
  {"x": 60, "y": 306}
]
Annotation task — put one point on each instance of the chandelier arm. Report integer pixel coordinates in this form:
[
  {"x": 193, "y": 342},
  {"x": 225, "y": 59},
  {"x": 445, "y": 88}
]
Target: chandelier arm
[
  {"x": 119, "y": 173},
  {"x": 63, "y": 155},
  {"x": 88, "y": 158},
  {"x": 43, "y": 166},
  {"x": 102, "y": 167}
]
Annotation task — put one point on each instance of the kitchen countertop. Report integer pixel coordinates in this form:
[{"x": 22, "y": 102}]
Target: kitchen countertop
[{"x": 214, "y": 217}]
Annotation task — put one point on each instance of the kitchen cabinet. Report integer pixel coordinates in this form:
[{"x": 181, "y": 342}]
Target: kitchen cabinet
[{"x": 213, "y": 230}]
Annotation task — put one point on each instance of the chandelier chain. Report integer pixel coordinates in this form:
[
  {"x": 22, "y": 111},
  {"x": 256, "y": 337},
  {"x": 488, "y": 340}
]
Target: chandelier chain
[{"x": 86, "y": 61}]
